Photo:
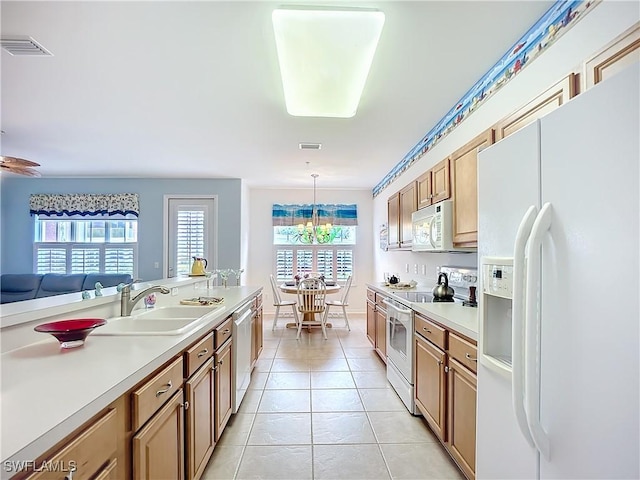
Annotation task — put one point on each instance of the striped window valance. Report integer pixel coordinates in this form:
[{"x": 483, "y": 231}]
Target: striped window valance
[
  {"x": 84, "y": 204},
  {"x": 335, "y": 214}
]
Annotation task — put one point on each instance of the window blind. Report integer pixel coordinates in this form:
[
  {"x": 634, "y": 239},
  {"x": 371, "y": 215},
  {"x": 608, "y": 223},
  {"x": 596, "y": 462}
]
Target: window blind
[{"x": 190, "y": 238}]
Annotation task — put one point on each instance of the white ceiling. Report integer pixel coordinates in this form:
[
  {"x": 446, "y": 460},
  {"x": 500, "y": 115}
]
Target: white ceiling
[{"x": 192, "y": 89}]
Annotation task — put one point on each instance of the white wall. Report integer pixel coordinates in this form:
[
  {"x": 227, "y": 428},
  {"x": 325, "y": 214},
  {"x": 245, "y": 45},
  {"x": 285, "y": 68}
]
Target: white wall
[
  {"x": 260, "y": 256},
  {"x": 596, "y": 29}
]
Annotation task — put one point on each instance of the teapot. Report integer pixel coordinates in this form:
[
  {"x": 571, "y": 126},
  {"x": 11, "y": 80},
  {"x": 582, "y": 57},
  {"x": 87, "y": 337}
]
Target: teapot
[
  {"x": 393, "y": 280},
  {"x": 442, "y": 292},
  {"x": 199, "y": 265}
]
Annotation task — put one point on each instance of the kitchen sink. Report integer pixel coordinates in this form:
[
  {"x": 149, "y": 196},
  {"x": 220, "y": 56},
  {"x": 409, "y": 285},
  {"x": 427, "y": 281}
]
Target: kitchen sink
[
  {"x": 182, "y": 311},
  {"x": 158, "y": 321}
]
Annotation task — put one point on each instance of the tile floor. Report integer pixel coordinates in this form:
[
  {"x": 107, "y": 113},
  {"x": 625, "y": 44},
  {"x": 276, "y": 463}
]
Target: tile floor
[{"x": 322, "y": 409}]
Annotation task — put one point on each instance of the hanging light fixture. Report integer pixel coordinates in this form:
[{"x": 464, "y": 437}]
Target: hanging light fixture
[{"x": 312, "y": 231}]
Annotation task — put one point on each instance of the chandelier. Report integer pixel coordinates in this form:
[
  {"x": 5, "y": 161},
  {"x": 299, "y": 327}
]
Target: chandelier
[{"x": 312, "y": 231}]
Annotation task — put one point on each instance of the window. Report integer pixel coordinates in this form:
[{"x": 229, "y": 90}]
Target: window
[
  {"x": 334, "y": 259},
  {"x": 96, "y": 245}
]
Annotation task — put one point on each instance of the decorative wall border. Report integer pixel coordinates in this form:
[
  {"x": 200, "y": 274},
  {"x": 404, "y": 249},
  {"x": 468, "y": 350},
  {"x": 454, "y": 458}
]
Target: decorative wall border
[{"x": 551, "y": 26}]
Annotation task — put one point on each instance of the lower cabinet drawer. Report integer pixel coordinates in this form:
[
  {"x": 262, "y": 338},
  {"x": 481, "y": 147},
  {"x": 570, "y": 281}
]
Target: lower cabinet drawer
[
  {"x": 198, "y": 354},
  {"x": 223, "y": 333},
  {"x": 147, "y": 399},
  {"x": 432, "y": 332},
  {"x": 463, "y": 351},
  {"x": 86, "y": 454}
]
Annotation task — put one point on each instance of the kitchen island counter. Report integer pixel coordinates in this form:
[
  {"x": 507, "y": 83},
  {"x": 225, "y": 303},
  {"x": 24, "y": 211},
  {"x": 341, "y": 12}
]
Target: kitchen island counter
[
  {"x": 454, "y": 316},
  {"x": 48, "y": 392}
]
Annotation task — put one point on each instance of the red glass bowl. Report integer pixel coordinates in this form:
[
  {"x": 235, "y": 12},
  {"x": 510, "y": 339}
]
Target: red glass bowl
[{"x": 71, "y": 333}]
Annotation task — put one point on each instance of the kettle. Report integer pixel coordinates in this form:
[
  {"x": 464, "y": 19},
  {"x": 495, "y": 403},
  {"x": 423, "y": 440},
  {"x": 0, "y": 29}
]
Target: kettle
[
  {"x": 442, "y": 292},
  {"x": 199, "y": 265}
]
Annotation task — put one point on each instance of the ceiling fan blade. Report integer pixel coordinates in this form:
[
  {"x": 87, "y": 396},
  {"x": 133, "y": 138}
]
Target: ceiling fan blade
[
  {"x": 20, "y": 170},
  {"x": 18, "y": 161}
]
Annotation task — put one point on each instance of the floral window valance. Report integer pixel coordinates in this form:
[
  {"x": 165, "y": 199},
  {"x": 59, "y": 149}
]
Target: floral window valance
[
  {"x": 335, "y": 214},
  {"x": 84, "y": 204}
]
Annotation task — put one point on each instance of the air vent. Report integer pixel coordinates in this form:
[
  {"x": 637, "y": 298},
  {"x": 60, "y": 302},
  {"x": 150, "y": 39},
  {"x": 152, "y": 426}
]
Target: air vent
[
  {"x": 310, "y": 146},
  {"x": 19, "y": 46}
]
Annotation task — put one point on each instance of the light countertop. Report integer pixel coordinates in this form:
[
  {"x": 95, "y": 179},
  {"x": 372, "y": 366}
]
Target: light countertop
[
  {"x": 47, "y": 392},
  {"x": 454, "y": 316}
]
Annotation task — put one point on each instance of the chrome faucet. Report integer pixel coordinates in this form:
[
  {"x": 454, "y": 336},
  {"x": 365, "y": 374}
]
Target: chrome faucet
[{"x": 127, "y": 303}]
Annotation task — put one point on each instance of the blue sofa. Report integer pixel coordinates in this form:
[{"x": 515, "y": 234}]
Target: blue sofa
[{"x": 15, "y": 287}]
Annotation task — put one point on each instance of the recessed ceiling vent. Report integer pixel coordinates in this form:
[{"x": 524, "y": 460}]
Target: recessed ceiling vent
[
  {"x": 310, "y": 146},
  {"x": 21, "y": 46}
]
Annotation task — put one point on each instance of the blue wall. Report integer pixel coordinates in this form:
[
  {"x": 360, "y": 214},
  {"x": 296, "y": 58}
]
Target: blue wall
[{"x": 16, "y": 225}]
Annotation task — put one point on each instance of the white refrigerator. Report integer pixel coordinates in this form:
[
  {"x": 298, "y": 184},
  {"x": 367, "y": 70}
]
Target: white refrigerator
[{"x": 559, "y": 370}]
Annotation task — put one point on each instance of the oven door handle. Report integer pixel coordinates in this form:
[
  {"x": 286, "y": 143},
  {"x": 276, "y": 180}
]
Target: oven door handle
[{"x": 395, "y": 307}]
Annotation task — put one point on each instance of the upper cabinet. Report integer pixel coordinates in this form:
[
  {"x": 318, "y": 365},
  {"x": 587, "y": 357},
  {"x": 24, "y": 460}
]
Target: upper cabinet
[
  {"x": 400, "y": 206},
  {"x": 393, "y": 217},
  {"x": 434, "y": 185},
  {"x": 544, "y": 103},
  {"x": 464, "y": 186},
  {"x": 408, "y": 205},
  {"x": 620, "y": 53}
]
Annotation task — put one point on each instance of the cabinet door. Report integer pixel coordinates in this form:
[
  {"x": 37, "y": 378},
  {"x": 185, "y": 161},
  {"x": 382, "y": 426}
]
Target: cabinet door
[
  {"x": 464, "y": 184},
  {"x": 393, "y": 217},
  {"x": 425, "y": 191},
  {"x": 544, "y": 103},
  {"x": 440, "y": 182},
  {"x": 381, "y": 334},
  {"x": 258, "y": 333},
  {"x": 158, "y": 448},
  {"x": 408, "y": 205},
  {"x": 200, "y": 430},
  {"x": 371, "y": 322},
  {"x": 223, "y": 385},
  {"x": 620, "y": 53},
  {"x": 430, "y": 384},
  {"x": 461, "y": 431}
]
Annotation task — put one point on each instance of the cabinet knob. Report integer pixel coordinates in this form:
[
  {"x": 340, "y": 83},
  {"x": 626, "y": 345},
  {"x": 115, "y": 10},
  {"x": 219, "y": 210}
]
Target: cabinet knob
[
  {"x": 185, "y": 405},
  {"x": 225, "y": 331},
  {"x": 202, "y": 353},
  {"x": 469, "y": 357},
  {"x": 165, "y": 389},
  {"x": 426, "y": 329}
]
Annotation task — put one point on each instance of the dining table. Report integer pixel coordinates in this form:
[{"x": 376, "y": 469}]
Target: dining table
[{"x": 308, "y": 319}]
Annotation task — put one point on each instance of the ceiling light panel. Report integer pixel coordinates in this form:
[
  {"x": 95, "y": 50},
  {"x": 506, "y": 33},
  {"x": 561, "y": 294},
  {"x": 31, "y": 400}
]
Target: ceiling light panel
[{"x": 325, "y": 56}]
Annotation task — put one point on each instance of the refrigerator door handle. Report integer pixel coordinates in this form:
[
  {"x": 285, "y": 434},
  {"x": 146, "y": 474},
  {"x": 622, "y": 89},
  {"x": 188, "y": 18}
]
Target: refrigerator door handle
[
  {"x": 518, "y": 319},
  {"x": 532, "y": 325}
]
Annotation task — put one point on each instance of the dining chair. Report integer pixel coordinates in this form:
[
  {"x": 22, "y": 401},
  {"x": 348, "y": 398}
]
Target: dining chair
[
  {"x": 311, "y": 300},
  {"x": 278, "y": 302},
  {"x": 343, "y": 303}
]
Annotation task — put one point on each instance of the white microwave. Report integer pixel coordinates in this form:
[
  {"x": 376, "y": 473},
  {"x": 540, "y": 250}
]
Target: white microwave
[{"x": 432, "y": 229}]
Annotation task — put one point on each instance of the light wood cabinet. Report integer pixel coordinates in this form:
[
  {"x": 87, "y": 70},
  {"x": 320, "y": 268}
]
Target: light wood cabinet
[
  {"x": 155, "y": 392},
  {"x": 199, "y": 421},
  {"x": 408, "y": 205},
  {"x": 393, "y": 220},
  {"x": 617, "y": 55},
  {"x": 445, "y": 388},
  {"x": 434, "y": 185},
  {"x": 109, "y": 471},
  {"x": 377, "y": 323},
  {"x": 223, "y": 388},
  {"x": 461, "y": 428},
  {"x": 158, "y": 448},
  {"x": 371, "y": 322},
  {"x": 546, "y": 102},
  {"x": 464, "y": 186},
  {"x": 257, "y": 330},
  {"x": 430, "y": 384},
  {"x": 84, "y": 456}
]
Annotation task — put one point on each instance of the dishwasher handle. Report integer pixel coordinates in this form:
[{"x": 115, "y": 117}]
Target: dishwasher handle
[{"x": 396, "y": 308}]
